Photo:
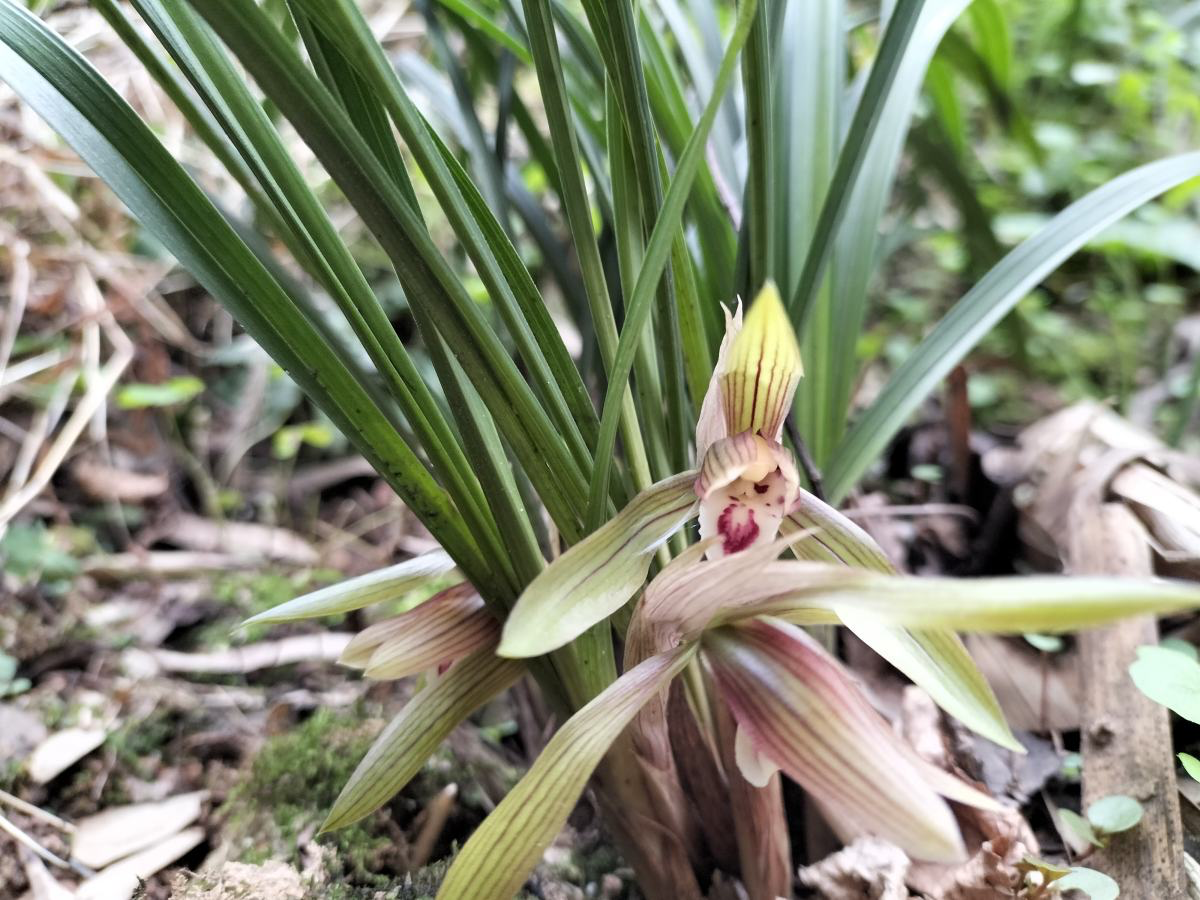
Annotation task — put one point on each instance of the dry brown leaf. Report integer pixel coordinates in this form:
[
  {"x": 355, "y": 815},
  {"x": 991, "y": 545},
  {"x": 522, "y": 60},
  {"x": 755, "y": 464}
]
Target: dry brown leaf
[
  {"x": 163, "y": 564},
  {"x": 120, "y": 880},
  {"x": 103, "y": 482},
  {"x": 320, "y": 647},
  {"x": 990, "y": 873},
  {"x": 270, "y": 881},
  {"x": 20, "y": 732},
  {"x": 119, "y": 831},
  {"x": 1037, "y": 691},
  {"x": 869, "y": 867},
  {"x": 239, "y": 539},
  {"x": 42, "y": 885},
  {"x": 61, "y": 750}
]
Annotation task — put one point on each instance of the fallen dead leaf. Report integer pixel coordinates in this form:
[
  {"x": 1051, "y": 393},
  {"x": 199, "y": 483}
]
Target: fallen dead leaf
[
  {"x": 270, "y": 881},
  {"x": 1037, "y": 691},
  {"x": 321, "y": 647},
  {"x": 120, "y": 880},
  {"x": 61, "y": 750},
  {"x": 42, "y": 885},
  {"x": 20, "y": 732},
  {"x": 239, "y": 539},
  {"x": 990, "y": 874},
  {"x": 103, "y": 482},
  {"x": 119, "y": 831},
  {"x": 869, "y": 867},
  {"x": 162, "y": 564}
]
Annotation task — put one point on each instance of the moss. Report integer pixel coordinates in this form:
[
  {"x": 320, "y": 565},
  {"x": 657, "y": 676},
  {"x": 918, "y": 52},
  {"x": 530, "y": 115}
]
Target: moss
[{"x": 290, "y": 787}]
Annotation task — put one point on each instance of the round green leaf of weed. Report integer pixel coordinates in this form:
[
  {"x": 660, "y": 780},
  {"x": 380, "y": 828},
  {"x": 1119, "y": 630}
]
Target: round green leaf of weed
[
  {"x": 1168, "y": 677},
  {"x": 1095, "y": 884},
  {"x": 1114, "y": 813},
  {"x": 1047, "y": 643},
  {"x": 1191, "y": 765},
  {"x": 1181, "y": 646},
  {"x": 1079, "y": 826}
]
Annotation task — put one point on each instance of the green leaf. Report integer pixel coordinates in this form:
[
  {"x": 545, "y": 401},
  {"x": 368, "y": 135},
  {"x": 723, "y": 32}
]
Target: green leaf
[
  {"x": 390, "y": 583},
  {"x": 287, "y": 441},
  {"x": 1095, "y": 884},
  {"x": 1047, "y": 643},
  {"x": 641, "y": 298},
  {"x": 100, "y": 126},
  {"x": 402, "y": 749},
  {"x": 987, "y": 303},
  {"x": 166, "y": 393},
  {"x": 1187, "y": 648},
  {"x": 1114, "y": 813},
  {"x": 497, "y": 859},
  {"x": 1170, "y": 678},
  {"x": 1080, "y": 827},
  {"x": 597, "y": 576},
  {"x": 1191, "y": 765}
]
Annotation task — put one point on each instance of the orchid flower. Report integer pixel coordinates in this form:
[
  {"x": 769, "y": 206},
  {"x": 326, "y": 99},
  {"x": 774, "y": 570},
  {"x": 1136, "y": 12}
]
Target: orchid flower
[
  {"x": 732, "y": 609},
  {"x": 730, "y": 604}
]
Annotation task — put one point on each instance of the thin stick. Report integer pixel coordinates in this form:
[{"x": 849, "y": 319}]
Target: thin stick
[
  {"x": 22, "y": 838},
  {"x": 37, "y": 812},
  {"x": 436, "y": 814},
  {"x": 95, "y": 396},
  {"x": 811, "y": 472}
]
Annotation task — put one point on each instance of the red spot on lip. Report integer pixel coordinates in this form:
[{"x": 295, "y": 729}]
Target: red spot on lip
[{"x": 737, "y": 533}]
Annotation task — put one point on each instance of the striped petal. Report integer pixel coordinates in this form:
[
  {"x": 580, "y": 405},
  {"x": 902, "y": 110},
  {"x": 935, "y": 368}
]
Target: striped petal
[
  {"x": 408, "y": 741},
  {"x": 598, "y": 575},
  {"x": 497, "y": 859},
  {"x": 355, "y": 593},
  {"x": 445, "y": 628},
  {"x": 763, "y": 369},
  {"x": 935, "y": 659},
  {"x": 711, "y": 425},
  {"x": 800, "y": 710}
]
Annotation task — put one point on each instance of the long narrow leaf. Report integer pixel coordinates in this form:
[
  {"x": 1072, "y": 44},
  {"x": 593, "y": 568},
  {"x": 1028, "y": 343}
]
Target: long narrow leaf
[
  {"x": 640, "y": 300},
  {"x": 988, "y": 302},
  {"x": 70, "y": 95}
]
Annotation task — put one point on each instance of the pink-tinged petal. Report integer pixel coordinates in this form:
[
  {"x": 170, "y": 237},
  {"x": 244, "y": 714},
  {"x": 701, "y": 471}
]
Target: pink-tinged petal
[
  {"x": 746, "y": 485},
  {"x": 755, "y": 767},
  {"x": 763, "y": 369},
  {"x": 711, "y": 425},
  {"x": 447, "y": 627},
  {"x": 801, "y": 710}
]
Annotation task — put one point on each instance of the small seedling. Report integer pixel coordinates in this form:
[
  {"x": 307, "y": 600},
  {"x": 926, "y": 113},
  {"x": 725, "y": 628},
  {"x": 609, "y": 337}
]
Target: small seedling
[
  {"x": 1191, "y": 765},
  {"x": 10, "y": 684},
  {"x": 1168, "y": 677},
  {"x": 1106, "y": 817},
  {"x": 1045, "y": 881}
]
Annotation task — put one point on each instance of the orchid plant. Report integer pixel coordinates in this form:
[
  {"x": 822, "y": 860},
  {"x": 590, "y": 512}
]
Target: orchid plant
[
  {"x": 701, "y": 141},
  {"x": 716, "y": 654}
]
